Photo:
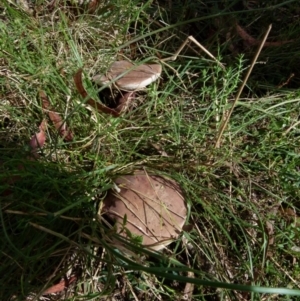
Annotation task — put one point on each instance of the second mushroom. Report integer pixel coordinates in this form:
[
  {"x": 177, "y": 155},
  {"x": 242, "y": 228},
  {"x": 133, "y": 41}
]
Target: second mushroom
[{"x": 154, "y": 206}]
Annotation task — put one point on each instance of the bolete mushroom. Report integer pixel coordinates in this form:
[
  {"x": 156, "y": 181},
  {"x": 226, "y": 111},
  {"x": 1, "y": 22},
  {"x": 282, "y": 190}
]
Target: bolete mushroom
[
  {"x": 154, "y": 206},
  {"x": 127, "y": 77}
]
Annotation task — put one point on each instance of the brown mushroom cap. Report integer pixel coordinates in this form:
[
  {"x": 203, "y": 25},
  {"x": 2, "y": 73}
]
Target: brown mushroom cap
[
  {"x": 154, "y": 207},
  {"x": 137, "y": 78}
]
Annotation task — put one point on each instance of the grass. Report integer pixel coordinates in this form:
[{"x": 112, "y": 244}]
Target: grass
[{"x": 244, "y": 196}]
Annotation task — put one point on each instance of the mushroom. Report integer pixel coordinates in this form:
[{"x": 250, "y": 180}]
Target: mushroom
[
  {"x": 128, "y": 77},
  {"x": 154, "y": 206}
]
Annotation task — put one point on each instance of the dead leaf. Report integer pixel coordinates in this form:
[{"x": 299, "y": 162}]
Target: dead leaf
[
  {"x": 58, "y": 122},
  {"x": 60, "y": 286},
  {"x": 250, "y": 41},
  {"x": 93, "y": 5},
  {"x": 38, "y": 140},
  {"x": 95, "y": 104},
  {"x": 269, "y": 227},
  {"x": 290, "y": 215}
]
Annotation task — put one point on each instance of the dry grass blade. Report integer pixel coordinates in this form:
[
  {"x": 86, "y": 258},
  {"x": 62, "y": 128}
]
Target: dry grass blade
[
  {"x": 192, "y": 39},
  {"x": 225, "y": 122},
  {"x": 44, "y": 229}
]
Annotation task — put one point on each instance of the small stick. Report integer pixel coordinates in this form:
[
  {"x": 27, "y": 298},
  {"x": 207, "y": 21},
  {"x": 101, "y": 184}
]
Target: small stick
[
  {"x": 225, "y": 123},
  {"x": 191, "y": 38}
]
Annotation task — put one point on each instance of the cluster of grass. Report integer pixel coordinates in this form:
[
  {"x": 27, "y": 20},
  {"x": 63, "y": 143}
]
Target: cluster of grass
[{"x": 243, "y": 196}]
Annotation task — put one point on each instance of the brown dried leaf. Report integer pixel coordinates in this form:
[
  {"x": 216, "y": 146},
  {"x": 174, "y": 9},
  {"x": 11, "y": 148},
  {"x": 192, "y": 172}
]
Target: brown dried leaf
[
  {"x": 289, "y": 213},
  {"x": 60, "y": 286},
  {"x": 96, "y": 105},
  {"x": 58, "y": 122},
  {"x": 270, "y": 231},
  {"x": 38, "y": 140},
  {"x": 93, "y": 5}
]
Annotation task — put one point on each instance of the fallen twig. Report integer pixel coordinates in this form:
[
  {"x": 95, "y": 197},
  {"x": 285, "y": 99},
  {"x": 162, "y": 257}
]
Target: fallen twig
[{"x": 225, "y": 123}]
